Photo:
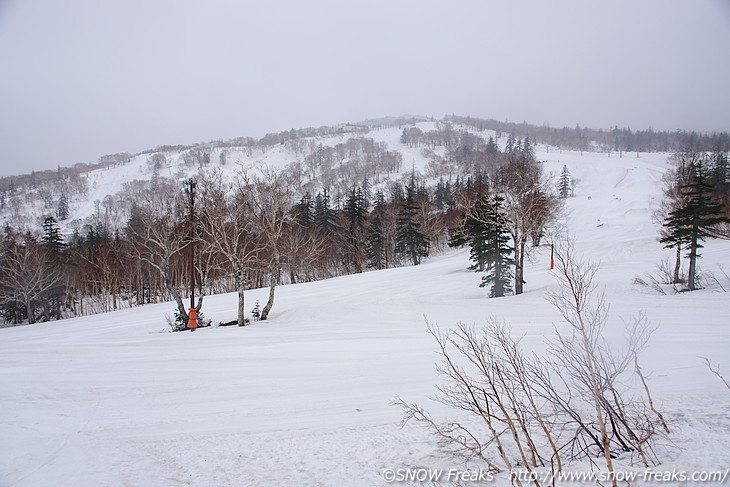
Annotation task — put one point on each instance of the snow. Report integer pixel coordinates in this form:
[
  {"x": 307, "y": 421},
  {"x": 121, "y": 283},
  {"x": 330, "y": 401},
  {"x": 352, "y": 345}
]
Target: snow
[{"x": 305, "y": 398}]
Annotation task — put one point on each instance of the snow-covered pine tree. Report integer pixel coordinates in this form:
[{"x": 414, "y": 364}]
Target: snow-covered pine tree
[
  {"x": 256, "y": 311},
  {"x": 509, "y": 147},
  {"x": 62, "y": 210},
  {"x": 564, "y": 183}
]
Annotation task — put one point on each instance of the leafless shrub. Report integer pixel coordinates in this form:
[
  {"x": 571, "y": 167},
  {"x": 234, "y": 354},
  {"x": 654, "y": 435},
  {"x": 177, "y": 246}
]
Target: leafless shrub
[
  {"x": 596, "y": 371},
  {"x": 542, "y": 411},
  {"x": 487, "y": 376},
  {"x": 649, "y": 281},
  {"x": 711, "y": 277},
  {"x": 662, "y": 280}
]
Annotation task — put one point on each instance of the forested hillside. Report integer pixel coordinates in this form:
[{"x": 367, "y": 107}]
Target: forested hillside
[{"x": 290, "y": 207}]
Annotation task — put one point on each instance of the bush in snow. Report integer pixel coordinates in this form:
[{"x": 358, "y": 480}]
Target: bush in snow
[{"x": 540, "y": 412}]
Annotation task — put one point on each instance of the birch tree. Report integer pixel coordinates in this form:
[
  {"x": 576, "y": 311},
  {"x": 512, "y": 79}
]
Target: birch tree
[
  {"x": 158, "y": 238},
  {"x": 528, "y": 208},
  {"x": 270, "y": 198},
  {"x": 229, "y": 227}
]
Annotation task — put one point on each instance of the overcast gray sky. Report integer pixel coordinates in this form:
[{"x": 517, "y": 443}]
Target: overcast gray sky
[{"x": 83, "y": 78}]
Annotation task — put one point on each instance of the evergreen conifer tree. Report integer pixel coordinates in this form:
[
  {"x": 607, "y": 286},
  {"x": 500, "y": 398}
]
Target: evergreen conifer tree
[
  {"x": 62, "y": 210},
  {"x": 52, "y": 238},
  {"x": 324, "y": 216},
  {"x": 509, "y": 147},
  {"x": 444, "y": 195},
  {"x": 355, "y": 214},
  {"x": 356, "y": 208},
  {"x": 409, "y": 238},
  {"x": 256, "y": 311},
  {"x": 303, "y": 211},
  {"x": 564, "y": 183},
  {"x": 695, "y": 220},
  {"x": 484, "y": 229},
  {"x": 497, "y": 250},
  {"x": 473, "y": 232},
  {"x": 492, "y": 147},
  {"x": 720, "y": 176},
  {"x": 528, "y": 150},
  {"x": 376, "y": 241}
]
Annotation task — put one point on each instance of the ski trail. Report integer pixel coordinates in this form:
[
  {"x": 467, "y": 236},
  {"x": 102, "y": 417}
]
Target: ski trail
[{"x": 621, "y": 180}]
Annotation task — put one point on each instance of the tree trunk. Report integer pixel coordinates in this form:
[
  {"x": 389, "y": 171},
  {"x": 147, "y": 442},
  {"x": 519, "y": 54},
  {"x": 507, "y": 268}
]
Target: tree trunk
[
  {"x": 692, "y": 263},
  {"x": 536, "y": 238},
  {"x": 181, "y": 306},
  {"x": 519, "y": 265},
  {"x": 605, "y": 439},
  {"x": 29, "y": 310},
  {"x": 240, "y": 287},
  {"x": 270, "y": 302},
  {"x": 677, "y": 265},
  {"x": 174, "y": 292}
]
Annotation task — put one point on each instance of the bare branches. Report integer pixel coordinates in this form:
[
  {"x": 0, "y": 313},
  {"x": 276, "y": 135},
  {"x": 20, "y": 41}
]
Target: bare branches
[
  {"x": 571, "y": 403},
  {"x": 270, "y": 199},
  {"x": 594, "y": 366},
  {"x": 228, "y": 228},
  {"x": 648, "y": 395},
  {"x": 157, "y": 239},
  {"x": 529, "y": 206},
  {"x": 715, "y": 369},
  {"x": 28, "y": 273},
  {"x": 455, "y": 436}
]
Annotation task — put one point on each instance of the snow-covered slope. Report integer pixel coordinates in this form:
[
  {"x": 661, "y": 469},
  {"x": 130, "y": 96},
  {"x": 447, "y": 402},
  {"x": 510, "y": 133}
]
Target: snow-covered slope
[
  {"x": 305, "y": 398},
  {"x": 94, "y": 194}
]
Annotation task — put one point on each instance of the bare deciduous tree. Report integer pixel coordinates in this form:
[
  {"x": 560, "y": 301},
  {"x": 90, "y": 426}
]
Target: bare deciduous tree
[
  {"x": 270, "y": 199},
  {"x": 157, "y": 238},
  {"x": 228, "y": 227},
  {"x": 529, "y": 208},
  {"x": 28, "y": 274}
]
